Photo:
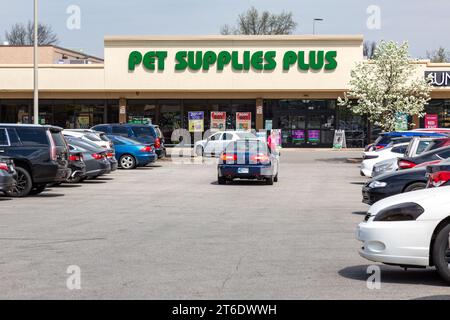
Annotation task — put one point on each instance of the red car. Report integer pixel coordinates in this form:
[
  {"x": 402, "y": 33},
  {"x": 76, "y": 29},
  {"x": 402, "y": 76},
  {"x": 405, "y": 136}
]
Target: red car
[
  {"x": 433, "y": 156},
  {"x": 439, "y": 174}
]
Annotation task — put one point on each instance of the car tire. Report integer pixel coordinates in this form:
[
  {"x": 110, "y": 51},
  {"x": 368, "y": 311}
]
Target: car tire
[
  {"x": 24, "y": 183},
  {"x": 199, "y": 151},
  {"x": 415, "y": 186},
  {"x": 221, "y": 180},
  {"x": 269, "y": 181},
  {"x": 127, "y": 162},
  {"x": 441, "y": 253},
  {"x": 37, "y": 190}
]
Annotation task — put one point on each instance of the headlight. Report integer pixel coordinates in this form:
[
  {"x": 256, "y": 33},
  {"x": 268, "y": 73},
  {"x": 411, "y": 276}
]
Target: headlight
[
  {"x": 377, "y": 184},
  {"x": 400, "y": 212}
]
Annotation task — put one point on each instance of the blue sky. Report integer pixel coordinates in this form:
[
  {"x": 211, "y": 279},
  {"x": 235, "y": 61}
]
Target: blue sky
[{"x": 423, "y": 23}]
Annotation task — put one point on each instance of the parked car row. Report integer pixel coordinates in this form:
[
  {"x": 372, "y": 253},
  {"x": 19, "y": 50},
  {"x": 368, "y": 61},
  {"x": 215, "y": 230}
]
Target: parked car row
[
  {"x": 408, "y": 223},
  {"x": 35, "y": 156}
]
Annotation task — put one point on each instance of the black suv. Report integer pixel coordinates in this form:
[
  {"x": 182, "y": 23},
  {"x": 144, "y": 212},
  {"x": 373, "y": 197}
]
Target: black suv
[{"x": 40, "y": 155}]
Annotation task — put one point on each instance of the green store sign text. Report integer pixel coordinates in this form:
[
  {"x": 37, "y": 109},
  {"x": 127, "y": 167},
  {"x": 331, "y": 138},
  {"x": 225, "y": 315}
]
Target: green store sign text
[{"x": 238, "y": 61}]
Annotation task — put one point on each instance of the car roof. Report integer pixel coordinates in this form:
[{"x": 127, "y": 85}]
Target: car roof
[
  {"x": 30, "y": 125},
  {"x": 413, "y": 134},
  {"x": 125, "y": 125}
]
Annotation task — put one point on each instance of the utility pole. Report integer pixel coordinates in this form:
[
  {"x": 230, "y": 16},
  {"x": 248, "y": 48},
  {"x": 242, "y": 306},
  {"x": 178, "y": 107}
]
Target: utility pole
[{"x": 35, "y": 67}]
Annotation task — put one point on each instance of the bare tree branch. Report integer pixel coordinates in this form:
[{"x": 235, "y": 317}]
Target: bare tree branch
[
  {"x": 252, "y": 22},
  {"x": 23, "y": 35}
]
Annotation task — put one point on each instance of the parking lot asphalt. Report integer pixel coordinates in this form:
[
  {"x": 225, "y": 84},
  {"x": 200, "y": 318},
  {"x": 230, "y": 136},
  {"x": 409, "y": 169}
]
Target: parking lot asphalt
[{"x": 169, "y": 231}]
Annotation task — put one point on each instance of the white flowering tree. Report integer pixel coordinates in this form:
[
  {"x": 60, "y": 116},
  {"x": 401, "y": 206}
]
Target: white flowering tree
[{"x": 387, "y": 86}]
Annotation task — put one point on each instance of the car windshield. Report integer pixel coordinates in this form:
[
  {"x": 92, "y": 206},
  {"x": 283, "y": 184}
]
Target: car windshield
[
  {"x": 58, "y": 138},
  {"x": 103, "y": 137},
  {"x": 126, "y": 140},
  {"x": 247, "y": 146},
  {"x": 246, "y": 135},
  {"x": 92, "y": 137},
  {"x": 90, "y": 146},
  {"x": 383, "y": 139},
  {"x": 144, "y": 131}
]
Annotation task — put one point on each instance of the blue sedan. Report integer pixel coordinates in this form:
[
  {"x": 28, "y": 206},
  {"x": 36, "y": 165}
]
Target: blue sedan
[
  {"x": 131, "y": 153},
  {"x": 248, "y": 159}
]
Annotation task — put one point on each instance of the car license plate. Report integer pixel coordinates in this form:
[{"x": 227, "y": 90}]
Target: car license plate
[{"x": 242, "y": 170}]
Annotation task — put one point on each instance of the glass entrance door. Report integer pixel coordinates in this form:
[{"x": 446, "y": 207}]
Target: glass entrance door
[{"x": 306, "y": 123}]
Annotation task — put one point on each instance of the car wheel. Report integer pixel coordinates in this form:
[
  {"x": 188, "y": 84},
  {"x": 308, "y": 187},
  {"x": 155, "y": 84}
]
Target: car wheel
[
  {"x": 415, "y": 186},
  {"x": 23, "y": 184},
  {"x": 199, "y": 151},
  {"x": 127, "y": 162},
  {"x": 269, "y": 181},
  {"x": 221, "y": 180},
  {"x": 441, "y": 253},
  {"x": 37, "y": 190}
]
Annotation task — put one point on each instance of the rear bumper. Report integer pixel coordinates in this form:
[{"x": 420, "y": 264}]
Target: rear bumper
[
  {"x": 62, "y": 174},
  {"x": 6, "y": 182},
  {"x": 161, "y": 152},
  {"x": 143, "y": 160},
  {"x": 254, "y": 172}
]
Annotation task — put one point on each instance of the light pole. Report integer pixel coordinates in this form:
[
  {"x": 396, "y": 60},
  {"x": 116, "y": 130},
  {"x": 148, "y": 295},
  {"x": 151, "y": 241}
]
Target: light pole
[
  {"x": 314, "y": 24},
  {"x": 35, "y": 67}
]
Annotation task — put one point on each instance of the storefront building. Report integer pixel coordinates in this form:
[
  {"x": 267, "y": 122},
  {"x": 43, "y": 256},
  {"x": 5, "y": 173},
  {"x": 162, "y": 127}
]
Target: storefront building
[{"x": 198, "y": 83}]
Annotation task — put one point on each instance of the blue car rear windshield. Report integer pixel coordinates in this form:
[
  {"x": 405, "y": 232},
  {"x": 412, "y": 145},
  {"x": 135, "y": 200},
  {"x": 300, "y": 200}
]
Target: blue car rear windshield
[
  {"x": 144, "y": 131},
  {"x": 246, "y": 146},
  {"x": 127, "y": 140}
]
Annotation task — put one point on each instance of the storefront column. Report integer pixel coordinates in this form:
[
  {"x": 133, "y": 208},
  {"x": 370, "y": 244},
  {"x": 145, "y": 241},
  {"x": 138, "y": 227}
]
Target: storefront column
[
  {"x": 259, "y": 114},
  {"x": 416, "y": 122},
  {"x": 123, "y": 110}
]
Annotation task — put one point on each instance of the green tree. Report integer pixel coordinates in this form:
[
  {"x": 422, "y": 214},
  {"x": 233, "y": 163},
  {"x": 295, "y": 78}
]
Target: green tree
[
  {"x": 387, "y": 86},
  {"x": 21, "y": 34},
  {"x": 253, "y": 22}
]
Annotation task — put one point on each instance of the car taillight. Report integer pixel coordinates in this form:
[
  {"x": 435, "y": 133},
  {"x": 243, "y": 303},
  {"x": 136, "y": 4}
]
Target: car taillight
[
  {"x": 379, "y": 147},
  {"x": 228, "y": 157},
  {"x": 74, "y": 158},
  {"x": 405, "y": 164},
  {"x": 157, "y": 143},
  {"x": 110, "y": 154},
  {"x": 4, "y": 166},
  {"x": 438, "y": 179},
  {"x": 147, "y": 149},
  {"x": 97, "y": 156},
  {"x": 260, "y": 158}
]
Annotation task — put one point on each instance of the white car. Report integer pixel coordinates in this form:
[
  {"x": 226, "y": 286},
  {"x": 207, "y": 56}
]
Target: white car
[
  {"x": 370, "y": 158},
  {"x": 385, "y": 166},
  {"x": 96, "y": 137},
  {"x": 216, "y": 142},
  {"x": 409, "y": 230}
]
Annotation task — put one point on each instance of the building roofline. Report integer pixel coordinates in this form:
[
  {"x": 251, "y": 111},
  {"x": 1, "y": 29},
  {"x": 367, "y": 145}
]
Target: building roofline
[
  {"x": 55, "y": 47},
  {"x": 131, "y": 38}
]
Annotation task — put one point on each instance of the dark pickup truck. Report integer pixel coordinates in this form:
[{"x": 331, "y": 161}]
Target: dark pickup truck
[{"x": 40, "y": 155}]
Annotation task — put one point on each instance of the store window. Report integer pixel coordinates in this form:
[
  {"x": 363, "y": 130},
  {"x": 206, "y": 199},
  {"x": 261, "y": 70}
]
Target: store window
[
  {"x": 170, "y": 118},
  {"x": 142, "y": 111},
  {"x": 15, "y": 111},
  {"x": 441, "y": 108},
  {"x": 303, "y": 123}
]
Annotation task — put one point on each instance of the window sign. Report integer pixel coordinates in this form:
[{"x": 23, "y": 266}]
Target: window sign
[
  {"x": 431, "y": 121},
  {"x": 298, "y": 136},
  {"x": 314, "y": 136},
  {"x": 243, "y": 120},
  {"x": 196, "y": 121},
  {"x": 218, "y": 119}
]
